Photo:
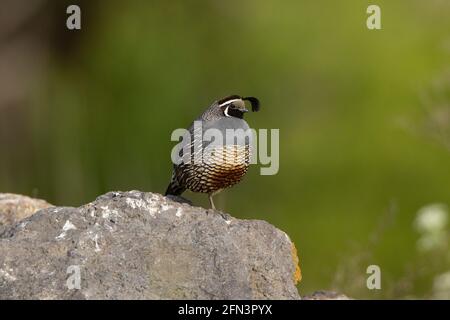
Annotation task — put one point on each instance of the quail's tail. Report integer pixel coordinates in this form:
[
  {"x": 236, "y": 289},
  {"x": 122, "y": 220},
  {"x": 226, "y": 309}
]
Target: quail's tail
[{"x": 174, "y": 188}]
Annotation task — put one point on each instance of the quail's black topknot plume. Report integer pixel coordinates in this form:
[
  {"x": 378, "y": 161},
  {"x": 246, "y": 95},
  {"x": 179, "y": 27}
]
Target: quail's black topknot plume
[{"x": 254, "y": 102}]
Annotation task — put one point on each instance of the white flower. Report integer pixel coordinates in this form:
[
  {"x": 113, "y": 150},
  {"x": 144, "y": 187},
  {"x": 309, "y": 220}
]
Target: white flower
[
  {"x": 432, "y": 218},
  {"x": 431, "y": 241}
]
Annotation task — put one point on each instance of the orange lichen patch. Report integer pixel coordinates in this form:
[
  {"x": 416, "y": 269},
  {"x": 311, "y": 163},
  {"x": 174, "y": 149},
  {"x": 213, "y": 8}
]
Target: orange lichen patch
[
  {"x": 15, "y": 207},
  {"x": 298, "y": 272}
]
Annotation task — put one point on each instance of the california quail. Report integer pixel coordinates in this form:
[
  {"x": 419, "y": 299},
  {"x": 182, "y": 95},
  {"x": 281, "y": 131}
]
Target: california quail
[{"x": 214, "y": 165}]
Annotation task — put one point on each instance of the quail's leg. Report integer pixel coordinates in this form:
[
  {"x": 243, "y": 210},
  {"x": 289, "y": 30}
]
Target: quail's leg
[{"x": 211, "y": 201}]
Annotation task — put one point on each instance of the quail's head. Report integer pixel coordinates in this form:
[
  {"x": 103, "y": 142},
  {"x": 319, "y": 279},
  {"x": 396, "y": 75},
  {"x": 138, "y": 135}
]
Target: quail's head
[{"x": 231, "y": 106}]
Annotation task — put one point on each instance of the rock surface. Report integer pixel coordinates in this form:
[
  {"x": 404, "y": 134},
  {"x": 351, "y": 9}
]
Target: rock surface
[
  {"x": 135, "y": 245},
  {"x": 326, "y": 295},
  {"x": 14, "y": 207}
]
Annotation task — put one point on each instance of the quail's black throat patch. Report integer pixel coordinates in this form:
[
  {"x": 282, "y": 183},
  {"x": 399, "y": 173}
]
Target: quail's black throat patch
[{"x": 235, "y": 113}]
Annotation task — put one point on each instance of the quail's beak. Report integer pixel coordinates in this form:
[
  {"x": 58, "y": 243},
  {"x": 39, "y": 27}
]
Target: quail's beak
[{"x": 240, "y": 106}]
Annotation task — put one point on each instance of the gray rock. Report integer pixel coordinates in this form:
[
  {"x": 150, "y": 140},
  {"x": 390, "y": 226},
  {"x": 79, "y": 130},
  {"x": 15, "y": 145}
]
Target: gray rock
[
  {"x": 326, "y": 295},
  {"x": 135, "y": 245}
]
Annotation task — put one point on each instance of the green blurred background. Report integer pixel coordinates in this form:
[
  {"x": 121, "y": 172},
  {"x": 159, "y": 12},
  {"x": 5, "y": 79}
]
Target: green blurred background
[{"x": 364, "y": 117}]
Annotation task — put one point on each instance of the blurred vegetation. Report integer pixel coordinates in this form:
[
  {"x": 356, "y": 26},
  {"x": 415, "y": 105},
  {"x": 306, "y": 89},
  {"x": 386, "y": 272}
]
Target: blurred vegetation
[{"x": 364, "y": 117}]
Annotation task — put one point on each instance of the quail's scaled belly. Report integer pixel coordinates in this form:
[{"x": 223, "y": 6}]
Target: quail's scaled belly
[{"x": 219, "y": 168}]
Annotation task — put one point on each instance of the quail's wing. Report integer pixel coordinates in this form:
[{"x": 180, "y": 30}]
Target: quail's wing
[{"x": 190, "y": 148}]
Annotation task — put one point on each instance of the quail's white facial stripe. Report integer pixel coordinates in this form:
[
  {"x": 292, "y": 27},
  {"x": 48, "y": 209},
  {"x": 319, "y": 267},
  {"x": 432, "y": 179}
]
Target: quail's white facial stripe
[
  {"x": 226, "y": 111},
  {"x": 228, "y": 102}
]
